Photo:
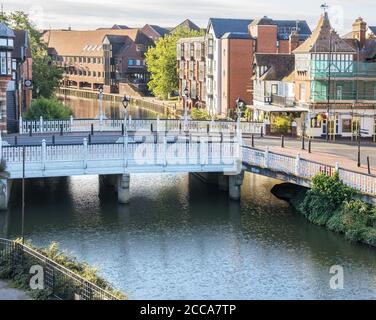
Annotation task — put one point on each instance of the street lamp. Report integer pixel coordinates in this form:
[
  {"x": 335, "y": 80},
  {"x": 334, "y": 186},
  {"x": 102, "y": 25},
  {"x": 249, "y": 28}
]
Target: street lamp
[
  {"x": 239, "y": 107},
  {"x": 101, "y": 104},
  {"x": 186, "y": 96},
  {"x": 126, "y": 100}
]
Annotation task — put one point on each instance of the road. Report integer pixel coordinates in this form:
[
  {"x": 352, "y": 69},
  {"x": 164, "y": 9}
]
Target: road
[{"x": 345, "y": 149}]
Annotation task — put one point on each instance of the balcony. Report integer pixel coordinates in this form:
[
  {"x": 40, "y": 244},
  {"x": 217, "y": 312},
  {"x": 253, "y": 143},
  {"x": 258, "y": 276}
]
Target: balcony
[{"x": 282, "y": 101}]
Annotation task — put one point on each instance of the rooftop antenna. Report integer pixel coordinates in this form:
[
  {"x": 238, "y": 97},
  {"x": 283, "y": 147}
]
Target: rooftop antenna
[{"x": 324, "y": 7}]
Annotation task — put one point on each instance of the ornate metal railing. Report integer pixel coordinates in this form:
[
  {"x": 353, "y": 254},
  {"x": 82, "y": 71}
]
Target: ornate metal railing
[
  {"x": 60, "y": 282},
  {"x": 149, "y": 155},
  {"x": 307, "y": 169},
  {"x": 110, "y": 125}
]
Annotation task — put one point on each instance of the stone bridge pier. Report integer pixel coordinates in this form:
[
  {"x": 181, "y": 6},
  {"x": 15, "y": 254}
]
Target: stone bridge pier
[
  {"x": 228, "y": 182},
  {"x": 120, "y": 183}
]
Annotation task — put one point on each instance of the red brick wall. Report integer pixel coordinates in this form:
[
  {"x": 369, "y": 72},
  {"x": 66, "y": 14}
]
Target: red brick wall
[
  {"x": 267, "y": 39},
  {"x": 237, "y": 55}
]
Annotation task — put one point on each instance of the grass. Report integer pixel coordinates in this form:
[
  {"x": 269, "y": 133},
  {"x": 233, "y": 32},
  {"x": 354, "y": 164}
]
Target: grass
[{"x": 20, "y": 276}]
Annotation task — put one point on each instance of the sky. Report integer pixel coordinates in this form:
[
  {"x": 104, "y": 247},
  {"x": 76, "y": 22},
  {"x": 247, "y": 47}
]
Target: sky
[{"x": 91, "y": 14}]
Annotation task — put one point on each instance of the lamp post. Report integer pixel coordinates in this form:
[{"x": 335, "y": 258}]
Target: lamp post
[
  {"x": 101, "y": 105},
  {"x": 125, "y": 103},
  {"x": 239, "y": 107},
  {"x": 186, "y": 97}
]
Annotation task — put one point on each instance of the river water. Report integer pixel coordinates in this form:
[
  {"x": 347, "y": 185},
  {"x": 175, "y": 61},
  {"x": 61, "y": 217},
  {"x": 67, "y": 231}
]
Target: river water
[{"x": 180, "y": 238}]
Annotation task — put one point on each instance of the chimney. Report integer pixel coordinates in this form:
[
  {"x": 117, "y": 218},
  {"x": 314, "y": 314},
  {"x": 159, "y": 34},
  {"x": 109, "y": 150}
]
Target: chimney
[
  {"x": 293, "y": 41},
  {"x": 359, "y": 30}
]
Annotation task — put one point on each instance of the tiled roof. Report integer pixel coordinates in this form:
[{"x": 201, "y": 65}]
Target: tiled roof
[
  {"x": 160, "y": 30},
  {"x": 236, "y": 35},
  {"x": 5, "y": 31},
  {"x": 285, "y": 27},
  {"x": 319, "y": 41},
  {"x": 222, "y": 26},
  {"x": 187, "y": 24},
  {"x": 21, "y": 45},
  {"x": 88, "y": 43},
  {"x": 120, "y": 26},
  {"x": 279, "y": 65}
]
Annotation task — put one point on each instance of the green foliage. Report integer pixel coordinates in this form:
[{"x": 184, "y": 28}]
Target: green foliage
[
  {"x": 161, "y": 62},
  {"x": 199, "y": 114},
  {"x": 46, "y": 76},
  {"x": 331, "y": 203},
  {"x": 49, "y": 109},
  {"x": 247, "y": 114},
  {"x": 20, "y": 276},
  {"x": 283, "y": 123}
]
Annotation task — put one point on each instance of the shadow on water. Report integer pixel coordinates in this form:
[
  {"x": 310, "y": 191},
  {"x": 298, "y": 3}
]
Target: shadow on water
[{"x": 181, "y": 238}]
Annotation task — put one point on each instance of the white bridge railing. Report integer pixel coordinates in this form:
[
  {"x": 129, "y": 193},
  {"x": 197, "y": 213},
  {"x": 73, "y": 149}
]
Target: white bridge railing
[
  {"x": 86, "y": 125},
  {"x": 123, "y": 157},
  {"x": 307, "y": 169}
]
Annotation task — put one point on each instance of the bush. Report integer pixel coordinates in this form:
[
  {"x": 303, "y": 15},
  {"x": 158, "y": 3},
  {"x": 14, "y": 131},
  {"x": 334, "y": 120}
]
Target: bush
[
  {"x": 331, "y": 203},
  {"x": 49, "y": 109},
  {"x": 199, "y": 114},
  {"x": 282, "y": 123},
  {"x": 20, "y": 276}
]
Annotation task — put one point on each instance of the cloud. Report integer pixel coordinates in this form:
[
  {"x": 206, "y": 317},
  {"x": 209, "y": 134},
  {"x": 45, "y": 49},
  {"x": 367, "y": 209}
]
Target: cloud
[{"x": 84, "y": 14}]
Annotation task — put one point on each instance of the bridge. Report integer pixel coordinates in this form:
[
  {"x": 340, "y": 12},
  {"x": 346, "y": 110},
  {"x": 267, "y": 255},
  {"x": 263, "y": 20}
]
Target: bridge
[{"x": 114, "y": 149}]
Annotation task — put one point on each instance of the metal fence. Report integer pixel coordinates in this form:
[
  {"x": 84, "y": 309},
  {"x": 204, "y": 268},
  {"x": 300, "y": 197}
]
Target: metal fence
[
  {"x": 60, "y": 282},
  {"x": 307, "y": 169},
  {"x": 129, "y": 124}
]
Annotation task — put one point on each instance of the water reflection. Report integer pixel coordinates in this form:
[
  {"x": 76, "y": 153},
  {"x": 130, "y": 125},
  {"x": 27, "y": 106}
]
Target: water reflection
[
  {"x": 180, "y": 238},
  {"x": 89, "y": 108}
]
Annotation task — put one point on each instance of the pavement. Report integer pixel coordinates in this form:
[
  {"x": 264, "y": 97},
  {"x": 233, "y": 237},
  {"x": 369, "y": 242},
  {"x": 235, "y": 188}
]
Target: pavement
[
  {"x": 8, "y": 293},
  {"x": 344, "y": 152}
]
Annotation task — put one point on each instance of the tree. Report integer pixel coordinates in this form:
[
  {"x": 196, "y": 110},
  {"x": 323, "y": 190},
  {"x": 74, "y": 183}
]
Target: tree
[
  {"x": 49, "y": 109},
  {"x": 162, "y": 63},
  {"x": 46, "y": 76}
]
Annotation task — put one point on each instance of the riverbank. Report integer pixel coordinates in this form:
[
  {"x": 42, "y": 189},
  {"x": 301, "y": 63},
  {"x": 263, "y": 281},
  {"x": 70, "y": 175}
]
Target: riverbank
[
  {"x": 9, "y": 293},
  {"x": 333, "y": 205},
  {"x": 71, "y": 279},
  {"x": 166, "y": 108}
]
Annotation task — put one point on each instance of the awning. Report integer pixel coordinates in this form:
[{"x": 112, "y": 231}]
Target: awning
[{"x": 271, "y": 108}]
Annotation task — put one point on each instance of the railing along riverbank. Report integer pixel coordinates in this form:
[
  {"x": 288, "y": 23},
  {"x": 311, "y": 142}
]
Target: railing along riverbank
[
  {"x": 307, "y": 169},
  {"x": 61, "y": 282},
  {"x": 150, "y": 104},
  {"x": 129, "y": 124}
]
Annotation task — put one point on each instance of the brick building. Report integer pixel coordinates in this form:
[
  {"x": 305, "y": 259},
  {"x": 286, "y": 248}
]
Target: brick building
[
  {"x": 19, "y": 92},
  {"x": 329, "y": 87},
  {"x": 231, "y": 45},
  {"x": 191, "y": 66},
  {"x": 100, "y": 58}
]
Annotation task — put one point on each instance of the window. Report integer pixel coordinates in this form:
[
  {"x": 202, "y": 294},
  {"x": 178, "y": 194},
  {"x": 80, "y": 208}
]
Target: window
[
  {"x": 94, "y": 60},
  {"x": 315, "y": 123},
  {"x": 88, "y": 60},
  {"x": 94, "y": 74},
  {"x": 346, "y": 125},
  {"x": 3, "y": 63},
  {"x": 302, "y": 92},
  {"x": 138, "y": 62},
  {"x": 275, "y": 89},
  {"x": 130, "y": 62},
  {"x": 3, "y": 42},
  {"x": 339, "y": 93}
]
